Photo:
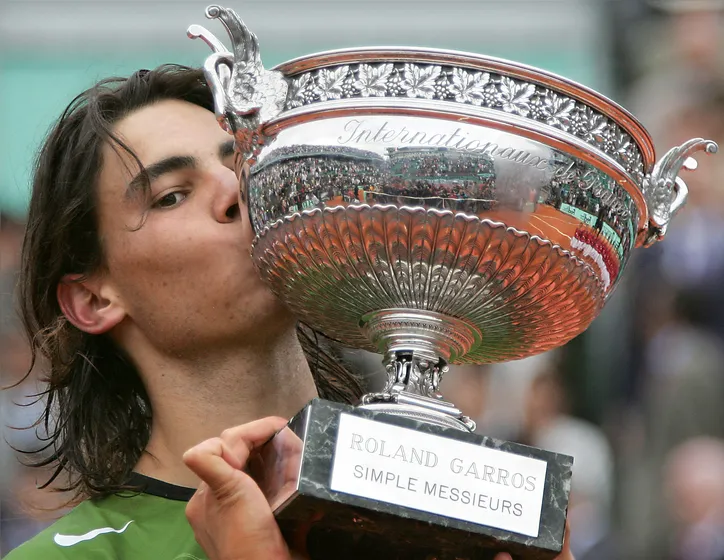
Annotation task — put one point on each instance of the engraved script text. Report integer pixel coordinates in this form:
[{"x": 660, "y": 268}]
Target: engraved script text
[{"x": 357, "y": 132}]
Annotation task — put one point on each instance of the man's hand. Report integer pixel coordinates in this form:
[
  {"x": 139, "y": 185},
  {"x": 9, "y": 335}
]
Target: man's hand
[{"x": 230, "y": 515}]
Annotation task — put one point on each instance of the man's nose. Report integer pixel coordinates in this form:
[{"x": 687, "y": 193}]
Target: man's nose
[{"x": 226, "y": 202}]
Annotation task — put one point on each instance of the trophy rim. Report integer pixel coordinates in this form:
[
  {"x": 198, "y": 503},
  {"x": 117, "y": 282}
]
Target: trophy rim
[
  {"x": 575, "y": 90},
  {"x": 514, "y": 124}
]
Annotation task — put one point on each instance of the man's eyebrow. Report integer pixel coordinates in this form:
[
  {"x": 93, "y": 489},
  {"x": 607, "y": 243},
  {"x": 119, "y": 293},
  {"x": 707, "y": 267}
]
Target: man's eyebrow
[
  {"x": 226, "y": 149},
  {"x": 147, "y": 175}
]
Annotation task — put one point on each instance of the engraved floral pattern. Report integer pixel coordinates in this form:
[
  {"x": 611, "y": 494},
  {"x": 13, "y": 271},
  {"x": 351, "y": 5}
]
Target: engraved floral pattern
[
  {"x": 625, "y": 149},
  {"x": 299, "y": 94},
  {"x": 419, "y": 81},
  {"x": 580, "y": 120},
  {"x": 514, "y": 97},
  {"x": 621, "y": 146},
  {"x": 490, "y": 95},
  {"x": 557, "y": 111},
  {"x": 394, "y": 84},
  {"x": 486, "y": 89},
  {"x": 442, "y": 87},
  {"x": 597, "y": 127},
  {"x": 467, "y": 87},
  {"x": 330, "y": 82},
  {"x": 372, "y": 80},
  {"x": 610, "y": 138},
  {"x": 631, "y": 157},
  {"x": 538, "y": 109},
  {"x": 348, "y": 87}
]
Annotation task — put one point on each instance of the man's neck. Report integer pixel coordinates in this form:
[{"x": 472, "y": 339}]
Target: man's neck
[{"x": 196, "y": 400}]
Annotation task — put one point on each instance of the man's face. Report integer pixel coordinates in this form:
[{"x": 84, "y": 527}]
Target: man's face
[{"x": 185, "y": 276}]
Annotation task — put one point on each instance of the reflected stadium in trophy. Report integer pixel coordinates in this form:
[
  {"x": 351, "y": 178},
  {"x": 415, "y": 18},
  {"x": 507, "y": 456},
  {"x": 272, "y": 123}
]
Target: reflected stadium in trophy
[{"x": 438, "y": 208}]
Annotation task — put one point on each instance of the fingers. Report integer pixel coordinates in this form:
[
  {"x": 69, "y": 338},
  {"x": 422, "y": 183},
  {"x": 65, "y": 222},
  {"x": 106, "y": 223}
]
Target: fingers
[
  {"x": 242, "y": 440},
  {"x": 213, "y": 462},
  {"x": 216, "y": 461},
  {"x": 503, "y": 556}
]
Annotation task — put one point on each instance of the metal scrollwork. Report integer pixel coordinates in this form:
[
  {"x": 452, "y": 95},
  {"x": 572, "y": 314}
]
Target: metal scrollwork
[
  {"x": 665, "y": 191},
  {"x": 245, "y": 94}
]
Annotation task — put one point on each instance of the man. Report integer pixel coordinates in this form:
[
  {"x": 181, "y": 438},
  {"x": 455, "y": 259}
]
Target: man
[{"x": 138, "y": 290}]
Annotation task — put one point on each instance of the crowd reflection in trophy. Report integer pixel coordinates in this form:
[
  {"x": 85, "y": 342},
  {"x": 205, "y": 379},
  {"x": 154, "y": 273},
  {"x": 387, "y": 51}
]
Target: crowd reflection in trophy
[{"x": 412, "y": 173}]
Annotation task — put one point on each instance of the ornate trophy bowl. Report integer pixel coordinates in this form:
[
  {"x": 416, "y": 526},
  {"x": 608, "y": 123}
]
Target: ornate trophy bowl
[{"x": 439, "y": 208}]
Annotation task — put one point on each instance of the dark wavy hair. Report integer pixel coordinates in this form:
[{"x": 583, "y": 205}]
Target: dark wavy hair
[{"x": 97, "y": 417}]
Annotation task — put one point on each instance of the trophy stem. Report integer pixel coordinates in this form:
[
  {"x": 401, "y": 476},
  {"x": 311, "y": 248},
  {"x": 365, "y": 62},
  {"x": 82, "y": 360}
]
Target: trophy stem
[{"x": 417, "y": 346}]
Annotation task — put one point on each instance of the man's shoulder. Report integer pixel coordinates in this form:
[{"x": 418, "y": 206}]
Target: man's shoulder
[
  {"x": 55, "y": 541},
  {"x": 114, "y": 527}
]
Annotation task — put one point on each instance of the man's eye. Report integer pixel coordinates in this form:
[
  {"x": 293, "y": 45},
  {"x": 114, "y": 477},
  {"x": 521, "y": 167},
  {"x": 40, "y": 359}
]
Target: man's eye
[{"x": 169, "y": 200}]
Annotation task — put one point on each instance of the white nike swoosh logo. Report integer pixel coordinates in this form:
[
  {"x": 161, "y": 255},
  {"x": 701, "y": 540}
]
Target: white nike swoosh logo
[{"x": 70, "y": 540}]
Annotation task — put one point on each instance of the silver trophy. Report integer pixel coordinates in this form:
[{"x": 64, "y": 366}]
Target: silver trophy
[{"x": 438, "y": 208}]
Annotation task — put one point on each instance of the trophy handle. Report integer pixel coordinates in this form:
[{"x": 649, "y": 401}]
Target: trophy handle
[
  {"x": 246, "y": 96},
  {"x": 665, "y": 191},
  {"x": 217, "y": 71}
]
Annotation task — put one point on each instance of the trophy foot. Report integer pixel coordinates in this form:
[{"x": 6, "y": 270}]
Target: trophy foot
[{"x": 418, "y": 345}]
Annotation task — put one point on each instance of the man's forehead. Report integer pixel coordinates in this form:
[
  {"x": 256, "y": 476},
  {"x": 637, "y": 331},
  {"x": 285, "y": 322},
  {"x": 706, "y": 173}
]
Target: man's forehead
[
  {"x": 170, "y": 128},
  {"x": 161, "y": 131}
]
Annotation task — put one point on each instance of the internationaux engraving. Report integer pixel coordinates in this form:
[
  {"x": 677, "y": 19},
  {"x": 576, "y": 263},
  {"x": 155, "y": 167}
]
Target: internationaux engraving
[{"x": 356, "y": 132}]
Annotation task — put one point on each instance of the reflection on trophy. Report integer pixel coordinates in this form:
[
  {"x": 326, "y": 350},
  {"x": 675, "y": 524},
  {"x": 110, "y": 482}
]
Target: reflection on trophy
[{"x": 438, "y": 208}]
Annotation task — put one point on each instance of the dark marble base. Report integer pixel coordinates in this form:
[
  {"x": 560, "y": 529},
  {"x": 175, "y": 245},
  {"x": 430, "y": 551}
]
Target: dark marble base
[{"x": 339, "y": 525}]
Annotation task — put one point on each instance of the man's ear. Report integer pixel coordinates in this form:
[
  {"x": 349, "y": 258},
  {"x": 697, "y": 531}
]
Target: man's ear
[{"x": 88, "y": 304}]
